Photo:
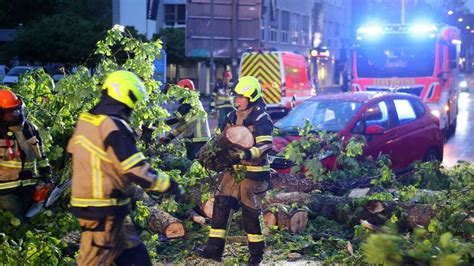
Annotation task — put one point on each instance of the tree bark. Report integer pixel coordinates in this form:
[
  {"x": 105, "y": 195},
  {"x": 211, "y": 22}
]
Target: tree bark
[
  {"x": 293, "y": 182},
  {"x": 293, "y": 220},
  {"x": 299, "y": 183},
  {"x": 216, "y": 154},
  {"x": 159, "y": 221},
  {"x": 162, "y": 222},
  {"x": 345, "y": 209}
]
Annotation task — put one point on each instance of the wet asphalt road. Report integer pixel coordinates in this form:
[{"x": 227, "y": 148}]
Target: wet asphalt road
[{"x": 461, "y": 145}]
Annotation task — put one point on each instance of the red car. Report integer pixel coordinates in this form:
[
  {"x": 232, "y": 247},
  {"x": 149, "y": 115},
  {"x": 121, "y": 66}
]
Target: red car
[{"x": 396, "y": 124}]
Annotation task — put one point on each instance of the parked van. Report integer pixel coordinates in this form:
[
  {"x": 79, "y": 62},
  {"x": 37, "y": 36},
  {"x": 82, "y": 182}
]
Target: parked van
[{"x": 284, "y": 77}]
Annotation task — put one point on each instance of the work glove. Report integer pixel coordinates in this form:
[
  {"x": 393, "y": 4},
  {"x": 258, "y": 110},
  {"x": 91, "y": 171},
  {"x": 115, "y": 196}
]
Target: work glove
[{"x": 237, "y": 154}]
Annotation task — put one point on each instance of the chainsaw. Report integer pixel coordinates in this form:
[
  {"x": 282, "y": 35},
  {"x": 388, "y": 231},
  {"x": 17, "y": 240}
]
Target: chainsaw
[{"x": 45, "y": 195}]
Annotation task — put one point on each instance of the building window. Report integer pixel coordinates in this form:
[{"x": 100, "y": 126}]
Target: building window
[
  {"x": 305, "y": 24},
  {"x": 304, "y": 39},
  {"x": 336, "y": 28},
  {"x": 263, "y": 33},
  {"x": 175, "y": 16},
  {"x": 273, "y": 35},
  {"x": 284, "y": 36},
  {"x": 285, "y": 20},
  {"x": 294, "y": 38}
]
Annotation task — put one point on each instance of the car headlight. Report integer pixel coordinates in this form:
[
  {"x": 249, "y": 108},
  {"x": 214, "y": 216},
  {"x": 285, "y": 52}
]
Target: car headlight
[
  {"x": 436, "y": 113},
  {"x": 463, "y": 84}
]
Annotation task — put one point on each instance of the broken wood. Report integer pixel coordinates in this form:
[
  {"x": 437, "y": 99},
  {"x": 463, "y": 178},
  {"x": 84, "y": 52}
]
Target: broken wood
[
  {"x": 293, "y": 220},
  {"x": 158, "y": 220},
  {"x": 293, "y": 182},
  {"x": 162, "y": 222},
  {"x": 269, "y": 218},
  {"x": 299, "y": 183},
  {"x": 208, "y": 207},
  {"x": 217, "y": 154},
  {"x": 352, "y": 210}
]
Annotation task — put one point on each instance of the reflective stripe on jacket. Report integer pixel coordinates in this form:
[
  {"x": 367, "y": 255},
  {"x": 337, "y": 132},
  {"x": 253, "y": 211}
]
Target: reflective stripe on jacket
[
  {"x": 261, "y": 126},
  {"x": 101, "y": 178},
  {"x": 221, "y": 97},
  {"x": 193, "y": 128},
  {"x": 14, "y": 163}
]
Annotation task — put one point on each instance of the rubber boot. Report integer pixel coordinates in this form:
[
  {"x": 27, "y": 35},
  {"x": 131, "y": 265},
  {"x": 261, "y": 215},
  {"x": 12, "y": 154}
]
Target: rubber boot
[
  {"x": 212, "y": 250},
  {"x": 252, "y": 227},
  {"x": 221, "y": 217}
]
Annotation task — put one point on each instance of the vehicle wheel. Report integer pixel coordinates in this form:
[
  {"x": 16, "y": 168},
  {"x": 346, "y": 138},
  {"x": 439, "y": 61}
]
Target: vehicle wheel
[{"x": 431, "y": 156}]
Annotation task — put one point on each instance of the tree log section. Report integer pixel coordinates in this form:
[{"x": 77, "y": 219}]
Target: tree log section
[
  {"x": 159, "y": 221},
  {"x": 162, "y": 222},
  {"x": 351, "y": 210},
  {"x": 216, "y": 154}
]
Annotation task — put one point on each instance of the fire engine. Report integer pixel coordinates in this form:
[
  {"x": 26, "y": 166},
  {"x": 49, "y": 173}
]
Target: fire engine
[
  {"x": 415, "y": 59},
  {"x": 284, "y": 77}
]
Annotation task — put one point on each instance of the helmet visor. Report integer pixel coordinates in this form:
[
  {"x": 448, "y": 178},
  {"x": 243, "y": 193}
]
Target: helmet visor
[{"x": 12, "y": 117}]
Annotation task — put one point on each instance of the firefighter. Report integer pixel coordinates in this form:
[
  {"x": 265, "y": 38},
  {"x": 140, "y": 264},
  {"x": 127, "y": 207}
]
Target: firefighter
[
  {"x": 248, "y": 193},
  {"x": 195, "y": 130},
  {"x": 105, "y": 161},
  {"x": 22, "y": 162},
  {"x": 221, "y": 102}
]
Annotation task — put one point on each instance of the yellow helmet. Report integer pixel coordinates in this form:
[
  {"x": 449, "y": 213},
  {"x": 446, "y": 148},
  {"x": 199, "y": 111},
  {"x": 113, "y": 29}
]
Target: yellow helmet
[
  {"x": 248, "y": 87},
  {"x": 125, "y": 87}
]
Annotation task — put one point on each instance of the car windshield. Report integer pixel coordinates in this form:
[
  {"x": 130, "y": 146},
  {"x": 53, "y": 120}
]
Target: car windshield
[
  {"x": 328, "y": 115},
  {"x": 395, "y": 57},
  {"x": 17, "y": 71}
]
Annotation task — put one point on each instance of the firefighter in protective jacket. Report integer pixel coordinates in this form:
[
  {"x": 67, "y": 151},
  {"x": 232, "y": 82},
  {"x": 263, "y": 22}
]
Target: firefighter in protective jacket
[
  {"x": 221, "y": 101},
  {"x": 105, "y": 161},
  {"x": 22, "y": 162},
  {"x": 248, "y": 193},
  {"x": 195, "y": 130}
]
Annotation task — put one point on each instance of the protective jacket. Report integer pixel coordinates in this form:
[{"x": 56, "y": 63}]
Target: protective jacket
[
  {"x": 105, "y": 161},
  {"x": 22, "y": 161},
  {"x": 221, "y": 97},
  {"x": 194, "y": 129},
  {"x": 260, "y": 124}
]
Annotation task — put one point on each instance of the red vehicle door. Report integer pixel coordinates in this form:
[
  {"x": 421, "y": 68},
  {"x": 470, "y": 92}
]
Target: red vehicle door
[
  {"x": 378, "y": 113},
  {"x": 411, "y": 135}
]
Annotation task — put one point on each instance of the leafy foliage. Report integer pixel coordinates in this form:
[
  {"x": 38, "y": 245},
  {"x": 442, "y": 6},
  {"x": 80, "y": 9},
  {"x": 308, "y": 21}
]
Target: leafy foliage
[{"x": 314, "y": 146}]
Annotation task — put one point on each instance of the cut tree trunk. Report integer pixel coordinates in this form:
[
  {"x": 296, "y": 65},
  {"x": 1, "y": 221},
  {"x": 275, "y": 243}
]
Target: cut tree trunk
[
  {"x": 162, "y": 222},
  {"x": 286, "y": 219},
  {"x": 159, "y": 221},
  {"x": 208, "y": 207},
  {"x": 345, "y": 209},
  {"x": 299, "y": 183},
  {"x": 216, "y": 154},
  {"x": 293, "y": 182}
]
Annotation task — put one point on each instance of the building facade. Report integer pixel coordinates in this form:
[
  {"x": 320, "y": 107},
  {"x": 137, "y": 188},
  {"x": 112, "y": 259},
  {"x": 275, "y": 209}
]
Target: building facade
[
  {"x": 332, "y": 24},
  {"x": 284, "y": 26}
]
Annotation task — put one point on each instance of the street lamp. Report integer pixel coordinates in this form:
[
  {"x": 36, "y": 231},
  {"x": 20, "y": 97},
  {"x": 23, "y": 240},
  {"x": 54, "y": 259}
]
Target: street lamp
[
  {"x": 468, "y": 27},
  {"x": 460, "y": 19},
  {"x": 450, "y": 12}
]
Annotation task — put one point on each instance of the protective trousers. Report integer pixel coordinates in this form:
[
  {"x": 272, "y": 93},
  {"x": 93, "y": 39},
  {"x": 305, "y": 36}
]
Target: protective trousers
[
  {"x": 108, "y": 240},
  {"x": 249, "y": 194}
]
